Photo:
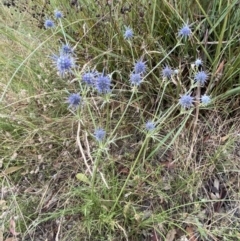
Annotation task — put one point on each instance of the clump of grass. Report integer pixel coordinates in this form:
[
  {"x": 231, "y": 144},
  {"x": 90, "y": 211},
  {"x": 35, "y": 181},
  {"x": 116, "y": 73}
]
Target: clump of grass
[{"x": 121, "y": 118}]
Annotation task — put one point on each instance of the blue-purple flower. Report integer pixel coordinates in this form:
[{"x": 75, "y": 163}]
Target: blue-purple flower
[
  {"x": 185, "y": 31},
  {"x": 186, "y": 101},
  {"x": 135, "y": 79},
  {"x": 74, "y": 100},
  {"x": 167, "y": 72},
  {"x": 99, "y": 134},
  {"x": 140, "y": 67},
  {"x": 205, "y": 99},
  {"x": 89, "y": 77},
  {"x": 64, "y": 63},
  {"x": 198, "y": 62},
  {"x": 66, "y": 49},
  {"x": 58, "y": 14},
  {"x": 150, "y": 125},
  {"x": 103, "y": 84},
  {"x": 128, "y": 34},
  {"x": 49, "y": 23},
  {"x": 201, "y": 77}
]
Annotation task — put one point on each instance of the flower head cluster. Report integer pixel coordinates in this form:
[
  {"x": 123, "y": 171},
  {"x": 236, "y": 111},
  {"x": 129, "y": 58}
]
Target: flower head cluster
[
  {"x": 58, "y": 14},
  {"x": 64, "y": 63},
  {"x": 103, "y": 84},
  {"x": 150, "y": 126},
  {"x": 128, "y": 34},
  {"x": 136, "y": 77},
  {"x": 185, "y": 31},
  {"x": 74, "y": 100},
  {"x": 167, "y": 72},
  {"x": 65, "y": 60},
  {"x": 49, "y": 24},
  {"x": 186, "y": 101},
  {"x": 99, "y": 134},
  {"x": 205, "y": 99},
  {"x": 201, "y": 77}
]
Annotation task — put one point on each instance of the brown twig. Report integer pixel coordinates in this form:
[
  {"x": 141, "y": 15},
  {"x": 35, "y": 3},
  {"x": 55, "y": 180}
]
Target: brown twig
[
  {"x": 81, "y": 149},
  {"x": 194, "y": 130}
]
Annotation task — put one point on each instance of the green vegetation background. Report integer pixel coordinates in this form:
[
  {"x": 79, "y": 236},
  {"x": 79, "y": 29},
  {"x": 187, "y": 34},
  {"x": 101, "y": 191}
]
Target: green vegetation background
[{"x": 180, "y": 182}]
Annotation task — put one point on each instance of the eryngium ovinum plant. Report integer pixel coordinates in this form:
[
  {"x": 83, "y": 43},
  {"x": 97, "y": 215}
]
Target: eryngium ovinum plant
[{"x": 105, "y": 104}]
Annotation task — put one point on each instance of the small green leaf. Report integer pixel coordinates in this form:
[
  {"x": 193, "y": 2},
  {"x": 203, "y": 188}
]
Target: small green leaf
[
  {"x": 10, "y": 170},
  {"x": 83, "y": 178}
]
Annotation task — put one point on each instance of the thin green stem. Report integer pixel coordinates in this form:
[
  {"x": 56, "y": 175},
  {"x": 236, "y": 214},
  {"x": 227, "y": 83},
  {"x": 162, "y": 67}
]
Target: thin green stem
[
  {"x": 96, "y": 164},
  {"x": 63, "y": 32},
  {"x": 153, "y": 16},
  {"x": 131, "y": 171},
  {"x": 119, "y": 122}
]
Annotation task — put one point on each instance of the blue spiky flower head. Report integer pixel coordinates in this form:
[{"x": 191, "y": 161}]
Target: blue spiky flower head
[
  {"x": 150, "y": 125},
  {"x": 64, "y": 63},
  {"x": 66, "y": 49},
  {"x": 140, "y": 67},
  {"x": 49, "y": 23},
  {"x": 167, "y": 72},
  {"x": 99, "y": 134},
  {"x": 185, "y": 31},
  {"x": 58, "y": 14},
  {"x": 198, "y": 62},
  {"x": 205, "y": 99},
  {"x": 103, "y": 84},
  {"x": 201, "y": 77},
  {"x": 74, "y": 100},
  {"x": 135, "y": 79},
  {"x": 89, "y": 77},
  {"x": 186, "y": 101},
  {"x": 128, "y": 34}
]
